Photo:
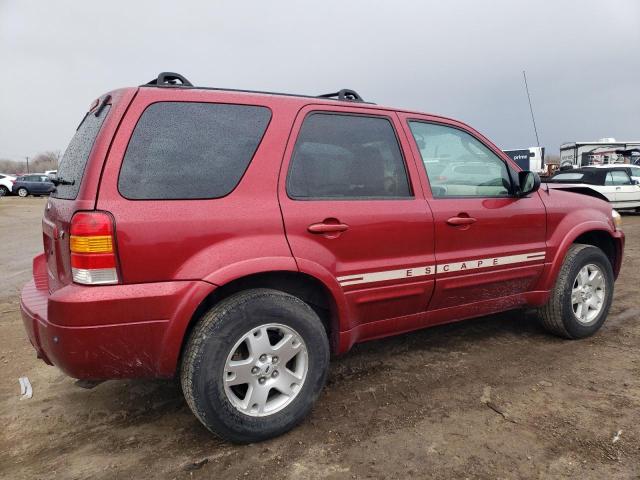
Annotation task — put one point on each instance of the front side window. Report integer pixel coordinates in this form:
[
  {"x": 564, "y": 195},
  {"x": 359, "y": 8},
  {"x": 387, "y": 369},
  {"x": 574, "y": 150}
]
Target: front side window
[
  {"x": 347, "y": 157},
  {"x": 184, "y": 150},
  {"x": 618, "y": 178},
  {"x": 457, "y": 164}
]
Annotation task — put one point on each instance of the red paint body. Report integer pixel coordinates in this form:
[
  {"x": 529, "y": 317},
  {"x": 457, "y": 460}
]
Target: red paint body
[{"x": 174, "y": 254}]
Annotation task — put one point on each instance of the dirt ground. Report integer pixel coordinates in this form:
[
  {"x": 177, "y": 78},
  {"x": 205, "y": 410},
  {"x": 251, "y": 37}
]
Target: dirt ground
[{"x": 489, "y": 398}]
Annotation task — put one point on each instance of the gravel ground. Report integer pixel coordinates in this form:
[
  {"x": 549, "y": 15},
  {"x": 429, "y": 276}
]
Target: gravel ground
[{"x": 489, "y": 398}]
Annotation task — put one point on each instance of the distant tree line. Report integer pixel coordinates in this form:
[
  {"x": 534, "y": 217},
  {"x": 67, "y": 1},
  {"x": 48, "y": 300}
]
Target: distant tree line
[{"x": 38, "y": 164}]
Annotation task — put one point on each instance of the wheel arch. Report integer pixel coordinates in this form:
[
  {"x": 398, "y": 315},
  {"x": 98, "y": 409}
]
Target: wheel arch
[
  {"x": 593, "y": 233},
  {"x": 307, "y": 287}
]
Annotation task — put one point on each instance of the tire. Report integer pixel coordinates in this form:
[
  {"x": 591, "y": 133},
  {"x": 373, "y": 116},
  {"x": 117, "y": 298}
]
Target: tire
[
  {"x": 3, "y": 191},
  {"x": 569, "y": 301},
  {"x": 23, "y": 192},
  {"x": 237, "y": 324}
]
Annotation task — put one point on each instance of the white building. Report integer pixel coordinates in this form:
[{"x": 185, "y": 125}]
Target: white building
[{"x": 603, "y": 151}]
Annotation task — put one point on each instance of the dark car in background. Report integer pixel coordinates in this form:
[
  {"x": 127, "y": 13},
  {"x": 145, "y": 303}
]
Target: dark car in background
[{"x": 33, "y": 184}]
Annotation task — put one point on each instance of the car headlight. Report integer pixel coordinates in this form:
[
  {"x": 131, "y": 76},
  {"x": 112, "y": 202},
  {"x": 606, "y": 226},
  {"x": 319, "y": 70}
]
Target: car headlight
[{"x": 617, "y": 219}]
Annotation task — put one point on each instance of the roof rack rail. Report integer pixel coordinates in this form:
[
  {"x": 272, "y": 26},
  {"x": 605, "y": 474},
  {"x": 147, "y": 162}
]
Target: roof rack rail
[
  {"x": 170, "y": 79},
  {"x": 345, "y": 94}
]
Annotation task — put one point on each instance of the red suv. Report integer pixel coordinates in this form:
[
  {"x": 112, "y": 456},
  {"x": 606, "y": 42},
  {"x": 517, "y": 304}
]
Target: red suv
[{"x": 237, "y": 239}]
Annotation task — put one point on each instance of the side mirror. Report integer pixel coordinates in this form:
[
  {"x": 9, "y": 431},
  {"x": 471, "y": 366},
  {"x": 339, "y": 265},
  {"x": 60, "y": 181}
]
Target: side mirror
[{"x": 529, "y": 183}]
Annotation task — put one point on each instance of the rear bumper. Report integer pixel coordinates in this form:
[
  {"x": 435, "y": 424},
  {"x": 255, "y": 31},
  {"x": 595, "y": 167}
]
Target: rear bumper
[{"x": 118, "y": 331}]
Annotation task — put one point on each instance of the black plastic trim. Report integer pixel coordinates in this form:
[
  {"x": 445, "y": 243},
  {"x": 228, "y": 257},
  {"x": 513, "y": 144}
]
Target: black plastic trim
[{"x": 170, "y": 79}]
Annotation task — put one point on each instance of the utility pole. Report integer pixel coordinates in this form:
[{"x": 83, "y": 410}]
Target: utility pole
[
  {"x": 530, "y": 107},
  {"x": 27, "y": 164}
]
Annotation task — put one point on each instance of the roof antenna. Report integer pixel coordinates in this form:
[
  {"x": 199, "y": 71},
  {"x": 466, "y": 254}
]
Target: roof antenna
[{"x": 524, "y": 74}]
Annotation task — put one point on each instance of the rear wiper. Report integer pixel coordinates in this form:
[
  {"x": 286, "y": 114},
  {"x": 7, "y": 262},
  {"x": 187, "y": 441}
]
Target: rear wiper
[{"x": 62, "y": 181}]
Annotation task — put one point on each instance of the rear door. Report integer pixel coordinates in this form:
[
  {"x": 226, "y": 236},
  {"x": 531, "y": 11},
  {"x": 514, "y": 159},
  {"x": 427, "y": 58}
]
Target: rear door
[
  {"x": 42, "y": 185},
  {"x": 30, "y": 182},
  {"x": 354, "y": 211},
  {"x": 490, "y": 245}
]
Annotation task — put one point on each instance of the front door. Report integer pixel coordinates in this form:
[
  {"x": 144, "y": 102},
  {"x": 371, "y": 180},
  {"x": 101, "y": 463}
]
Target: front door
[
  {"x": 490, "y": 244},
  {"x": 355, "y": 214},
  {"x": 626, "y": 194}
]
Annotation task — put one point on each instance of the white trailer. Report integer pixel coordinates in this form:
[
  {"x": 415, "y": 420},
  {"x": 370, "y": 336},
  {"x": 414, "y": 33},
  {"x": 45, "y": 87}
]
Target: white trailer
[{"x": 600, "y": 152}]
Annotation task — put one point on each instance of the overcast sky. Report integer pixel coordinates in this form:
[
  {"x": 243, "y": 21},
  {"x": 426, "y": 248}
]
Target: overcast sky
[{"x": 457, "y": 58}]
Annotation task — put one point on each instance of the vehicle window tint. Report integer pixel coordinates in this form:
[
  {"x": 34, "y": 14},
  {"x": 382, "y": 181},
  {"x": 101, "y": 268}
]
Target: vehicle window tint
[
  {"x": 345, "y": 157},
  {"x": 74, "y": 160},
  {"x": 457, "y": 164},
  {"x": 182, "y": 150}
]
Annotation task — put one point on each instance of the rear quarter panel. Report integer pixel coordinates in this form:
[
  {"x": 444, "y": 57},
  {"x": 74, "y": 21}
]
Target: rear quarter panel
[{"x": 215, "y": 240}]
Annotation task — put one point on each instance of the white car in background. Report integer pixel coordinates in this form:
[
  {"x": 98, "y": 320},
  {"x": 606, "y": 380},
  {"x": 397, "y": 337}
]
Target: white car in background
[
  {"x": 614, "y": 183},
  {"x": 6, "y": 184},
  {"x": 632, "y": 170}
]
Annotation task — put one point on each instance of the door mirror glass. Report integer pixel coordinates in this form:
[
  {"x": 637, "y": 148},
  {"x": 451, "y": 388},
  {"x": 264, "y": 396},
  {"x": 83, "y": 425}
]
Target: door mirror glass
[{"x": 529, "y": 182}]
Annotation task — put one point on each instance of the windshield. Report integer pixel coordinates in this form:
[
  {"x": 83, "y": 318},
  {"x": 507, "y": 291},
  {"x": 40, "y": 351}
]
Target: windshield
[{"x": 569, "y": 176}]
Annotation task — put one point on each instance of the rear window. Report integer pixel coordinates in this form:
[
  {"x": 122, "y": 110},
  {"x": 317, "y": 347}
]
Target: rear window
[
  {"x": 182, "y": 150},
  {"x": 74, "y": 160}
]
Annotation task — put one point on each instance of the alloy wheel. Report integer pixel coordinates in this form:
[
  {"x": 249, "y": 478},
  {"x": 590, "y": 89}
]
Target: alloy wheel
[
  {"x": 265, "y": 370},
  {"x": 588, "y": 294}
]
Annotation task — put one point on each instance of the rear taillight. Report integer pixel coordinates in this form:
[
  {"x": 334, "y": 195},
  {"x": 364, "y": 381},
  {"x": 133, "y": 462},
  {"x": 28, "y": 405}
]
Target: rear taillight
[{"x": 93, "y": 256}]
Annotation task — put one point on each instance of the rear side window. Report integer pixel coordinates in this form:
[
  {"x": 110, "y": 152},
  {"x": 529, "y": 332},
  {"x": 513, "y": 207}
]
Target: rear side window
[
  {"x": 347, "y": 156},
  {"x": 182, "y": 150},
  {"x": 74, "y": 160}
]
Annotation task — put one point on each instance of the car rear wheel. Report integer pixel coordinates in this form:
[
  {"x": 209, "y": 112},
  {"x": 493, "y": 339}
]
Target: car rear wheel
[
  {"x": 23, "y": 192},
  {"x": 254, "y": 365},
  {"x": 582, "y": 295}
]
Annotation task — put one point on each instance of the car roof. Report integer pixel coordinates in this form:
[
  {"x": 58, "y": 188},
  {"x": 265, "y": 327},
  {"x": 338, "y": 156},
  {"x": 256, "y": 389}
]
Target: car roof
[{"x": 344, "y": 96}]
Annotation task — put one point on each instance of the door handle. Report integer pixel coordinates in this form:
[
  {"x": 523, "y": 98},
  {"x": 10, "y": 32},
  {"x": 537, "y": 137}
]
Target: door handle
[
  {"x": 618, "y": 188},
  {"x": 327, "y": 227},
  {"x": 459, "y": 221}
]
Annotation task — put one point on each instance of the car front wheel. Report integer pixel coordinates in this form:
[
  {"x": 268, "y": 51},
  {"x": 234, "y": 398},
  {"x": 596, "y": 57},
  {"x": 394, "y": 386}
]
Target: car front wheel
[
  {"x": 254, "y": 365},
  {"x": 582, "y": 295}
]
